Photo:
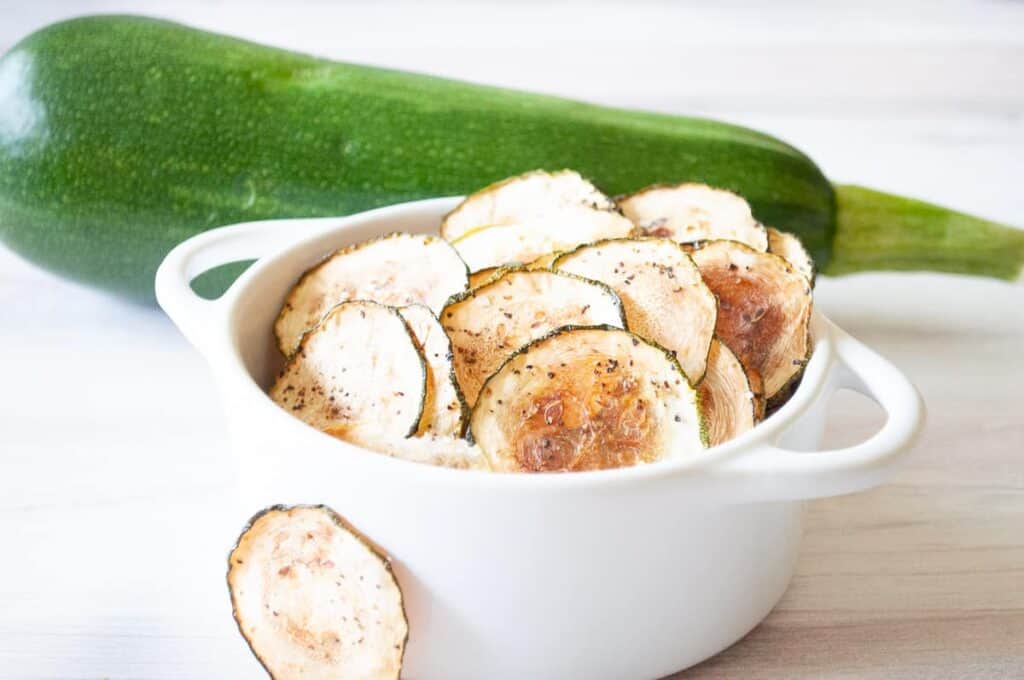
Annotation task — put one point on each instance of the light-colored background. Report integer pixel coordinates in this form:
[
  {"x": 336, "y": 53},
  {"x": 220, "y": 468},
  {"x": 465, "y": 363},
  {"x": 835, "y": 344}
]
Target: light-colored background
[{"x": 113, "y": 459}]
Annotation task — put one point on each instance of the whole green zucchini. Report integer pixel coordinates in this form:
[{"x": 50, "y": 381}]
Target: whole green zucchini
[{"x": 122, "y": 136}]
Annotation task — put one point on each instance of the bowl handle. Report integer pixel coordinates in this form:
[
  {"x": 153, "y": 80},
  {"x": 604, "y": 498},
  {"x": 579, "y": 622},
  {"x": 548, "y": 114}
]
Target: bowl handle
[
  {"x": 770, "y": 472},
  {"x": 200, "y": 319}
]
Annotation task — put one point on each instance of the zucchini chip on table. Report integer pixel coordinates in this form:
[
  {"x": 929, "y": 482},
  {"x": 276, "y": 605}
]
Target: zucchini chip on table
[
  {"x": 788, "y": 247},
  {"x": 445, "y": 410},
  {"x": 662, "y": 292},
  {"x": 728, "y": 402},
  {"x": 315, "y": 599},
  {"x": 397, "y": 269},
  {"x": 764, "y": 310},
  {"x": 359, "y": 373},
  {"x": 489, "y": 323},
  {"x": 525, "y": 217},
  {"x": 587, "y": 399},
  {"x": 694, "y": 212}
]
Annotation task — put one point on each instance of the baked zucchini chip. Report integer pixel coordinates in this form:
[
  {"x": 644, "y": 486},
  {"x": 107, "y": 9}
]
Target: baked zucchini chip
[
  {"x": 725, "y": 395},
  {"x": 489, "y": 323},
  {"x": 662, "y": 293},
  {"x": 788, "y": 247},
  {"x": 587, "y": 399},
  {"x": 525, "y": 217},
  {"x": 444, "y": 411},
  {"x": 315, "y": 599},
  {"x": 694, "y": 212},
  {"x": 397, "y": 269},
  {"x": 764, "y": 308},
  {"x": 358, "y": 372},
  {"x": 520, "y": 199}
]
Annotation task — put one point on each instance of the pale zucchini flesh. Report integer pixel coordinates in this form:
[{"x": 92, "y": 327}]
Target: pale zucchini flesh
[
  {"x": 398, "y": 269},
  {"x": 315, "y": 599},
  {"x": 519, "y": 199},
  {"x": 504, "y": 244},
  {"x": 358, "y": 372},
  {"x": 694, "y": 212},
  {"x": 764, "y": 310},
  {"x": 587, "y": 399},
  {"x": 489, "y": 323},
  {"x": 662, "y": 292},
  {"x": 444, "y": 410},
  {"x": 526, "y": 217},
  {"x": 788, "y": 247},
  {"x": 726, "y": 397}
]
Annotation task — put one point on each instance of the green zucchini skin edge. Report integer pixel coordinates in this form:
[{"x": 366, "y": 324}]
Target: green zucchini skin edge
[
  {"x": 122, "y": 136},
  {"x": 464, "y": 409}
]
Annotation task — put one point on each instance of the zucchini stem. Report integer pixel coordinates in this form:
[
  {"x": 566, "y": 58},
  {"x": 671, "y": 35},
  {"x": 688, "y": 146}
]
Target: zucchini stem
[{"x": 878, "y": 231}]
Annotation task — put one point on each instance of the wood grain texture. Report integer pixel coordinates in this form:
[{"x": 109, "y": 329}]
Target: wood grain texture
[
  {"x": 923, "y": 578},
  {"x": 115, "y": 474}
]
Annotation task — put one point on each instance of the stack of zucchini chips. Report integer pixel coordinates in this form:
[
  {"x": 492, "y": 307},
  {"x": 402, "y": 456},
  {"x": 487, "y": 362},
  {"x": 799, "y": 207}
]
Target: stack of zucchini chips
[
  {"x": 546, "y": 328},
  {"x": 549, "y": 328}
]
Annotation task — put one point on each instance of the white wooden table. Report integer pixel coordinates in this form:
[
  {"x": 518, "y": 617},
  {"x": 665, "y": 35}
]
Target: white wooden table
[{"x": 114, "y": 468}]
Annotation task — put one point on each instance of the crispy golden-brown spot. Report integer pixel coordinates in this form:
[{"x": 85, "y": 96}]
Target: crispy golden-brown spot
[
  {"x": 764, "y": 308},
  {"x": 748, "y": 322},
  {"x": 589, "y": 418}
]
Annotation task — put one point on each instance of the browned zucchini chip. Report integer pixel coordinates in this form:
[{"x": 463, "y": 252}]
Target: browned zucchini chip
[
  {"x": 525, "y": 217},
  {"x": 315, "y": 599},
  {"x": 788, "y": 247},
  {"x": 587, "y": 399},
  {"x": 489, "y": 323},
  {"x": 694, "y": 212},
  {"x": 445, "y": 411},
  {"x": 764, "y": 309},
  {"x": 359, "y": 372},
  {"x": 725, "y": 396},
  {"x": 397, "y": 269},
  {"x": 662, "y": 292}
]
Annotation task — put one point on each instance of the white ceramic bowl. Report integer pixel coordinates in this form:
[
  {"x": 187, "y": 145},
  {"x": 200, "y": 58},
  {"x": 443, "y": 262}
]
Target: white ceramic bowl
[{"x": 629, "y": 573}]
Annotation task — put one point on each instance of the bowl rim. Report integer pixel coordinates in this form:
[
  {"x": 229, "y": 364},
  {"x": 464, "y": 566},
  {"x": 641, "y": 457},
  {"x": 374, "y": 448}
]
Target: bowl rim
[{"x": 258, "y": 403}]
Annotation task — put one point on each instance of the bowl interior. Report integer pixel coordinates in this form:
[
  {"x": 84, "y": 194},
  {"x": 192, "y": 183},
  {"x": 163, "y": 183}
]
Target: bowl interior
[{"x": 254, "y": 300}]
